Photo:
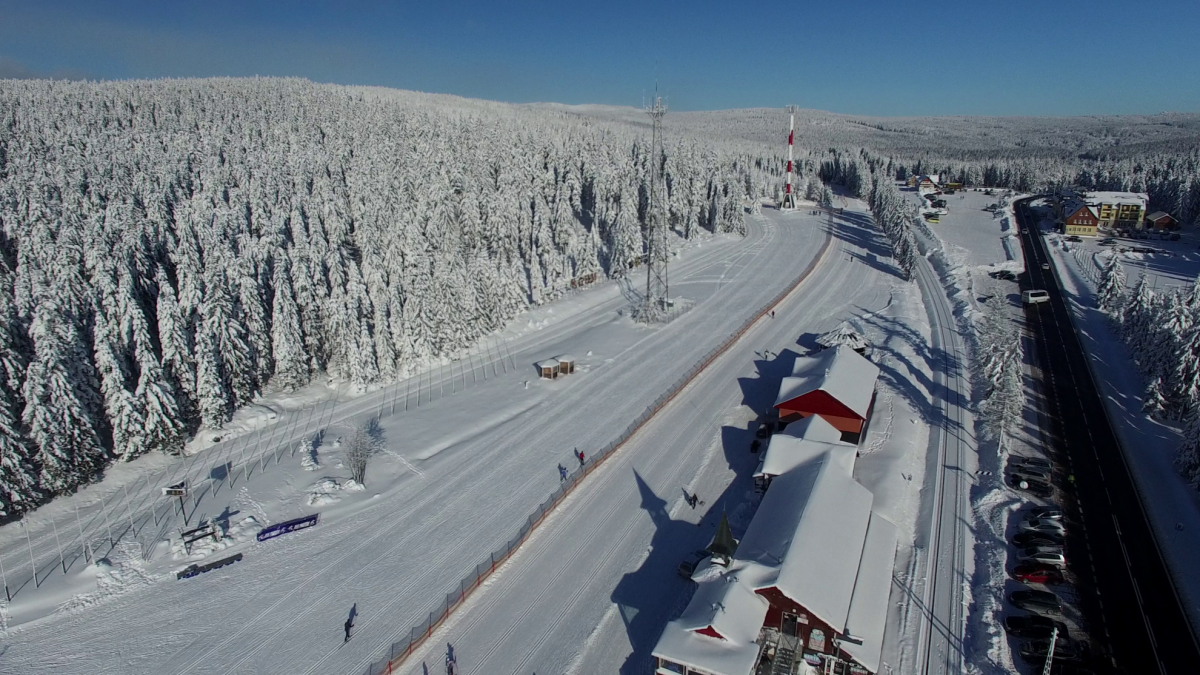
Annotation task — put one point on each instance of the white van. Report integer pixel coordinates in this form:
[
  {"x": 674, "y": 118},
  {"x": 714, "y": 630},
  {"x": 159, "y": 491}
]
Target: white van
[{"x": 1034, "y": 297}]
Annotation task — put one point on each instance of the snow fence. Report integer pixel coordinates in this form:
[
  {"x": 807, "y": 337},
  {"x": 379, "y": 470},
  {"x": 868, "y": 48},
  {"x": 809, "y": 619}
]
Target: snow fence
[{"x": 406, "y": 645}]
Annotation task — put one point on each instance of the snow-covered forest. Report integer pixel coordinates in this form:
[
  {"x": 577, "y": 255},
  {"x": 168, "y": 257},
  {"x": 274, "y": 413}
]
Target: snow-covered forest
[
  {"x": 168, "y": 249},
  {"x": 1162, "y": 330}
]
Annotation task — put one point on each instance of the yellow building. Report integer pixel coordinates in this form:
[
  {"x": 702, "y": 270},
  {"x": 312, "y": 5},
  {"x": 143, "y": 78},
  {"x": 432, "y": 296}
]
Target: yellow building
[{"x": 1119, "y": 209}]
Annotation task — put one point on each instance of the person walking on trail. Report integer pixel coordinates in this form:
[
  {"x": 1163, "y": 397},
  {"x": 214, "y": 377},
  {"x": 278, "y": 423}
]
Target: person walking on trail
[
  {"x": 772, "y": 314},
  {"x": 562, "y": 473},
  {"x": 349, "y": 625},
  {"x": 451, "y": 660},
  {"x": 580, "y": 455}
]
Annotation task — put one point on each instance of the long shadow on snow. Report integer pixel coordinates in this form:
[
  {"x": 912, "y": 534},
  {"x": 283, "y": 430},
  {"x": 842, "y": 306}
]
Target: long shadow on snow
[{"x": 653, "y": 594}]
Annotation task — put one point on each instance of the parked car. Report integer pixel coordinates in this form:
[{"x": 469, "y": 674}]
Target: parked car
[
  {"x": 1031, "y": 485},
  {"x": 1175, "y": 236},
  {"x": 1038, "y": 549},
  {"x": 1108, "y": 241},
  {"x": 1004, "y": 275},
  {"x": 1033, "y": 626},
  {"x": 1043, "y": 525},
  {"x": 755, "y": 445},
  {"x": 1035, "y": 601},
  {"x": 1043, "y": 558},
  {"x": 764, "y": 430},
  {"x": 688, "y": 567},
  {"x": 1027, "y": 539},
  {"x": 1073, "y": 238},
  {"x": 1035, "y": 651},
  {"x": 1037, "y": 574},
  {"x": 1052, "y": 512},
  {"x": 1024, "y": 460},
  {"x": 1034, "y": 472}
]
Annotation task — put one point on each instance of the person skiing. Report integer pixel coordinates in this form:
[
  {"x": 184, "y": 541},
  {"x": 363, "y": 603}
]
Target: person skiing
[
  {"x": 772, "y": 314},
  {"x": 349, "y": 625},
  {"x": 562, "y": 473},
  {"x": 451, "y": 660}
]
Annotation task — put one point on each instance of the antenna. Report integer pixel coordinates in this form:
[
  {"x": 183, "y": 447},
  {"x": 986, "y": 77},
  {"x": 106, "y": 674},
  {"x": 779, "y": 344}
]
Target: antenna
[
  {"x": 789, "y": 199},
  {"x": 657, "y": 288}
]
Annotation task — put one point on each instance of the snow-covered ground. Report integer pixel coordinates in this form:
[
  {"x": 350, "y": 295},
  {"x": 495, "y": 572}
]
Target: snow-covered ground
[
  {"x": 458, "y": 476},
  {"x": 1149, "y": 445},
  {"x": 592, "y": 589}
]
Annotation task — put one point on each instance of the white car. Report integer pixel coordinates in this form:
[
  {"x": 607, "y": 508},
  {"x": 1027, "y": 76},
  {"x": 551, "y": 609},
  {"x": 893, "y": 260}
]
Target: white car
[
  {"x": 1034, "y": 297},
  {"x": 1043, "y": 525},
  {"x": 1044, "y": 558}
]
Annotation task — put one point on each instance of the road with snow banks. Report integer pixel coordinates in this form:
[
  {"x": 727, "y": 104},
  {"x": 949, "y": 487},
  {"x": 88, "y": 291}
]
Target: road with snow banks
[
  {"x": 1143, "y": 622},
  {"x": 281, "y": 609}
]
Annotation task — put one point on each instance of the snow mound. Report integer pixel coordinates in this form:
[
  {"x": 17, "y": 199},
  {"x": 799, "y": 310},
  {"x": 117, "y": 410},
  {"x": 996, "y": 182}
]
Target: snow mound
[
  {"x": 122, "y": 571},
  {"x": 325, "y": 491},
  {"x": 226, "y": 535}
]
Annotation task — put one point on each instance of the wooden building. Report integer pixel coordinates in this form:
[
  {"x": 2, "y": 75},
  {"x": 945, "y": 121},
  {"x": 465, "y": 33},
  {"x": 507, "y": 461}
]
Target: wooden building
[
  {"x": 548, "y": 369},
  {"x": 838, "y": 384},
  {"x": 811, "y": 580},
  {"x": 1161, "y": 220}
]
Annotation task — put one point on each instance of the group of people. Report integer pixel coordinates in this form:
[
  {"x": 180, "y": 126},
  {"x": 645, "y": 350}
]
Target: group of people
[{"x": 562, "y": 470}]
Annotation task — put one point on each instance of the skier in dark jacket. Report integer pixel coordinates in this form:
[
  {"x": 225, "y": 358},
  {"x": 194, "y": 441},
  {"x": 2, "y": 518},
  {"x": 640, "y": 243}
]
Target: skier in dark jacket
[
  {"x": 349, "y": 625},
  {"x": 562, "y": 473}
]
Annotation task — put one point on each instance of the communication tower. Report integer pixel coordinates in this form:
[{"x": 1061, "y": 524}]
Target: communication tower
[
  {"x": 789, "y": 198},
  {"x": 656, "y": 303}
]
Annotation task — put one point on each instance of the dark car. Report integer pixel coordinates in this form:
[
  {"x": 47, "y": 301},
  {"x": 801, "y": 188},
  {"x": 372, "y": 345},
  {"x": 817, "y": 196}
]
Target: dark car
[
  {"x": 755, "y": 445},
  {"x": 690, "y": 563},
  {"x": 1035, "y": 462},
  {"x": 1035, "y": 651},
  {"x": 1032, "y": 573},
  {"x": 1035, "y": 601},
  {"x": 764, "y": 430},
  {"x": 1027, "y": 539},
  {"x": 1004, "y": 275},
  {"x": 1033, "y": 626},
  {"x": 1031, "y": 485},
  {"x": 1051, "y": 512},
  {"x": 1073, "y": 238}
]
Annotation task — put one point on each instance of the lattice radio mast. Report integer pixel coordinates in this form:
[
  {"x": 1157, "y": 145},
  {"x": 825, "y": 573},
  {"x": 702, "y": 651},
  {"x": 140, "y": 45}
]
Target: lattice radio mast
[{"x": 657, "y": 253}]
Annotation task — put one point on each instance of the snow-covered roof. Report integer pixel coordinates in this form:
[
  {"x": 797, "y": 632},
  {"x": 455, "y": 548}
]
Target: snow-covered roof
[
  {"x": 810, "y": 526},
  {"x": 813, "y": 428},
  {"x": 872, "y": 589},
  {"x": 843, "y": 335},
  {"x": 1072, "y": 206},
  {"x": 565, "y": 358},
  {"x": 795, "y": 447},
  {"x": 548, "y": 363},
  {"x": 1158, "y": 215},
  {"x": 1096, "y": 198},
  {"x": 840, "y": 372},
  {"x": 726, "y": 603}
]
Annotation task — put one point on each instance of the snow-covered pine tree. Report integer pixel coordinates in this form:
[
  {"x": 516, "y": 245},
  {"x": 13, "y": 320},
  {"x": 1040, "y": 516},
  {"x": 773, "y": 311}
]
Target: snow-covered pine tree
[
  {"x": 1187, "y": 459},
  {"x": 1110, "y": 293}
]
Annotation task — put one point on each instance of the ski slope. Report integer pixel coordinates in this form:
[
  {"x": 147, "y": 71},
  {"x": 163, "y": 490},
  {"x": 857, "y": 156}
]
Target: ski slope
[{"x": 458, "y": 477}]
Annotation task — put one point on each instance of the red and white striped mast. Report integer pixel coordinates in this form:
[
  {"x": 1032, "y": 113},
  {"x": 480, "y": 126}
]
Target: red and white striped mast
[{"x": 789, "y": 199}]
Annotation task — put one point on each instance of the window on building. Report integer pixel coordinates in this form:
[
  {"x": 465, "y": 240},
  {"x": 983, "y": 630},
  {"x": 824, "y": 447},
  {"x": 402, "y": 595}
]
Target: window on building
[{"x": 670, "y": 667}]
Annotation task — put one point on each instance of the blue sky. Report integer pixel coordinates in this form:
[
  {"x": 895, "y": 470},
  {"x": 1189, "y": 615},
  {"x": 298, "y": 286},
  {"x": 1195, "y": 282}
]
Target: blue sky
[{"x": 1063, "y": 57}]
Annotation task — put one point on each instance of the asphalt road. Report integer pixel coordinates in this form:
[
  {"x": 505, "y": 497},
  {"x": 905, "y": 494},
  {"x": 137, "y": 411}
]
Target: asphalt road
[{"x": 1146, "y": 628}]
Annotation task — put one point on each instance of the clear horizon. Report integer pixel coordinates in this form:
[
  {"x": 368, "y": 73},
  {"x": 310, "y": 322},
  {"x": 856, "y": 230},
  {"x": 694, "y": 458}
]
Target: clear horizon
[{"x": 872, "y": 58}]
